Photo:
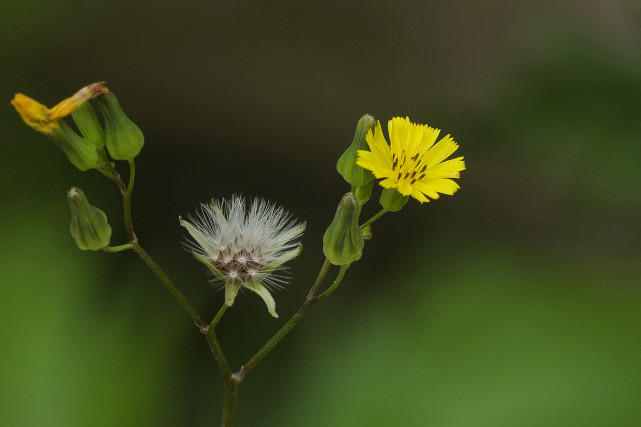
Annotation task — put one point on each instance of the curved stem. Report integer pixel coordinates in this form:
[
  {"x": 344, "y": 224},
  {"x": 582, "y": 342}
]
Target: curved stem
[
  {"x": 118, "y": 248},
  {"x": 126, "y": 203},
  {"x": 337, "y": 282},
  {"x": 374, "y": 218},
  {"x": 220, "y": 313}
]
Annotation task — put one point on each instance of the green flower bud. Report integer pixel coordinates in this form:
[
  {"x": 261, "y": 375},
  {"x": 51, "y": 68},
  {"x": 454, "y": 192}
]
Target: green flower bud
[
  {"x": 363, "y": 193},
  {"x": 123, "y": 138},
  {"x": 343, "y": 241},
  {"x": 346, "y": 166},
  {"x": 392, "y": 200},
  {"x": 80, "y": 152},
  {"x": 87, "y": 121},
  {"x": 89, "y": 226}
]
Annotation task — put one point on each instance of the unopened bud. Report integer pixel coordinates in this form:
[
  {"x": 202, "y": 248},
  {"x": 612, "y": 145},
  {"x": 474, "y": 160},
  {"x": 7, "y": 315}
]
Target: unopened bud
[
  {"x": 89, "y": 226},
  {"x": 343, "y": 241},
  {"x": 87, "y": 121},
  {"x": 346, "y": 166},
  {"x": 79, "y": 151},
  {"x": 123, "y": 138},
  {"x": 363, "y": 193}
]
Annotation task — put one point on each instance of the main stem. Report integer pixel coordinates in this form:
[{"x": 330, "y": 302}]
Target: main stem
[{"x": 231, "y": 385}]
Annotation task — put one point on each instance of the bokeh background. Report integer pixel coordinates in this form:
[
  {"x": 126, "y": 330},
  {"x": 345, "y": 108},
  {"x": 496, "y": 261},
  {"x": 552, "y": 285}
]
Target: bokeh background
[{"x": 515, "y": 302}]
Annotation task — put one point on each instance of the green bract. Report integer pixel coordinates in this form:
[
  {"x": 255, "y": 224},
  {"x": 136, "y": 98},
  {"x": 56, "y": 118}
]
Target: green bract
[
  {"x": 87, "y": 121},
  {"x": 123, "y": 138},
  {"x": 392, "y": 200},
  {"x": 89, "y": 226},
  {"x": 80, "y": 152},
  {"x": 346, "y": 166},
  {"x": 343, "y": 241}
]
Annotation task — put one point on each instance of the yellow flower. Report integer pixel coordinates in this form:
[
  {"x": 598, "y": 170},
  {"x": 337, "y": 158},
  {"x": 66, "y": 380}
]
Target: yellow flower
[{"x": 413, "y": 164}]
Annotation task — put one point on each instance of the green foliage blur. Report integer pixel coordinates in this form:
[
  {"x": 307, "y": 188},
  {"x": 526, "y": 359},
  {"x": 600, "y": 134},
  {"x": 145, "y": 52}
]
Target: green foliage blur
[{"x": 514, "y": 302}]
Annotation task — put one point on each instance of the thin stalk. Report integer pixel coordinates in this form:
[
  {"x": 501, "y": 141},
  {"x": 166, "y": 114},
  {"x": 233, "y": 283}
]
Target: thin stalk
[
  {"x": 108, "y": 170},
  {"x": 169, "y": 284},
  {"x": 212, "y": 339},
  {"x": 112, "y": 175},
  {"x": 374, "y": 218},
  {"x": 229, "y": 382},
  {"x": 126, "y": 203},
  {"x": 118, "y": 248},
  {"x": 337, "y": 282},
  {"x": 135, "y": 246},
  {"x": 319, "y": 279},
  {"x": 220, "y": 313},
  {"x": 297, "y": 317}
]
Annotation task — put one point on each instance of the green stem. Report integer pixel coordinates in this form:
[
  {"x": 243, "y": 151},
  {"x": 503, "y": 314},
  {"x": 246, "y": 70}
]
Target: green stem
[
  {"x": 337, "y": 282},
  {"x": 297, "y": 317},
  {"x": 230, "y": 383},
  {"x": 135, "y": 246},
  {"x": 229, "y": 402},
  {"x": 169, "y": 284},
  {"x": 118, "y": 248},
  {"x": 220, "y": 313},
  {"x": 374, "y": 218},
  {"x": 126, "y": 203},
  {"x": 109, "y": 174}
]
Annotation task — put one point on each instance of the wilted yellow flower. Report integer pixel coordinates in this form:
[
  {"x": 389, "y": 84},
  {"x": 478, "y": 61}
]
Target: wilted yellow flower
[
  {"x": 413, "y": 163},
  {"x": 80, "y": 152},
  {"x": 45, "y": 120}
]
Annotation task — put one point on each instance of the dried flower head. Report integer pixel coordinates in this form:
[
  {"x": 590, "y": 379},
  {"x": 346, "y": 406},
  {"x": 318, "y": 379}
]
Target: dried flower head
[{"x": 244, "y": 248}]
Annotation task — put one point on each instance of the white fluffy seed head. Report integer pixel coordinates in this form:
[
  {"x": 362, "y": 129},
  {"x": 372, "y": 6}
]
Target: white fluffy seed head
[{"x": 241, "y": 244}]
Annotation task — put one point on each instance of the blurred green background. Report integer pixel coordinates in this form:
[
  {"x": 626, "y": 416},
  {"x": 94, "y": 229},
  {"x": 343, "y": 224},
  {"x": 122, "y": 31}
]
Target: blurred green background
[{"x": 515, "y": 302}]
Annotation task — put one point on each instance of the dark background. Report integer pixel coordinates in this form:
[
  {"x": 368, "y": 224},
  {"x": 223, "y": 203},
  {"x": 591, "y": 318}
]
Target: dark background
[{"x": 514, "y": 302}]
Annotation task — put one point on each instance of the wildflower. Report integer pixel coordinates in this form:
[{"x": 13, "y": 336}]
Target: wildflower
[
  {"x": 80, "y": 152},
  {"x": 413, "y": 164},
  {"x": 244, "y": 248}
]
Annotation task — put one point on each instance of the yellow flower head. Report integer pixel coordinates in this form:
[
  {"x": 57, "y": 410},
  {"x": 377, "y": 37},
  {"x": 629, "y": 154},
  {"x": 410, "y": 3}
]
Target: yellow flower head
[{"x": 414, "y": 163}]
